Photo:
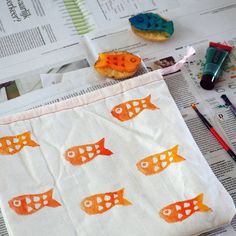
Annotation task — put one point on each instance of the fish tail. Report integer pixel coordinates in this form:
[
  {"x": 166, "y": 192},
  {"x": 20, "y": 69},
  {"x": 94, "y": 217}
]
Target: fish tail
[
  {"x": 51, "y": 202},
  {"x": 150, "y": 105},
  {"x": 101, "y": 61},
  {"x": 122, "y": 200},
  {"x": 201, "y": 205},
  {"x": 175, "y": 149},
  {"x": 30, "y": 142},
  {"x": 102, "y": 148},
  {"x": 177, "y": 158}
]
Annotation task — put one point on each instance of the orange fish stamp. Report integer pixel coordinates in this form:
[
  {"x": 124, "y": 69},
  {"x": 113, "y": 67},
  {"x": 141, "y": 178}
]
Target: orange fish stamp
[
  {"x": 130, "y": 109},
  {"x": 179, "y": 211},
  {"x": 31, "y": 203},
  {"x": 82, "y": 154},
  {"x": 117, "y": 64},
  {"x": 10, "y": 145},
  {"x": 100, "y": 203},
  {"x": 158, "y": 162}
]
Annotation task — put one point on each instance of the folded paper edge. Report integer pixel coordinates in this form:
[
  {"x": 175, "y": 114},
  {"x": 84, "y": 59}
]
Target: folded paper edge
[
  {"x": 84, "y": 99},
  {"x": 98, "y": 94}
]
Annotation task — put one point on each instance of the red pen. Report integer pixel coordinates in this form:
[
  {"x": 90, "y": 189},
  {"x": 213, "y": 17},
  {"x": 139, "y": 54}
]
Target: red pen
[{"x": 215, "y": 133}]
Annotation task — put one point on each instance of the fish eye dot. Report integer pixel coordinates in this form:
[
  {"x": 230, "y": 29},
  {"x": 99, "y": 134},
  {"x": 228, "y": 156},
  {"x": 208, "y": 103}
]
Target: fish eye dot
[
  {"x": 167, "y": 212},
  {"x": 118, "y": 110},
  {"x": 17, "y": 203},
  {"x": 71, "y": 154},
  {"x": 133, "y": 60},
  {"x": 88, "y": 203},
  {"x": 144, "y": 164}
]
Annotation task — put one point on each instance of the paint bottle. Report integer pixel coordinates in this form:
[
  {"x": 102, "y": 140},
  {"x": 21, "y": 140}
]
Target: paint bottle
[{"x": 215, "y": 57}]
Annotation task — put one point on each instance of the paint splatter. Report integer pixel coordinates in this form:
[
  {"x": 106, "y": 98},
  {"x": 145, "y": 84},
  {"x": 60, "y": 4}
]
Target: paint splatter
[
  {"x": 158, "y": 162},
  {"x": 31, "y": 203},
  {"x": 10, "y": 145},
  {"x": 100, "y": 203},
  {"x": 180, "y": 211},
  {"x": 130, "y": 109},
  {"x": 80, "y": 155}
]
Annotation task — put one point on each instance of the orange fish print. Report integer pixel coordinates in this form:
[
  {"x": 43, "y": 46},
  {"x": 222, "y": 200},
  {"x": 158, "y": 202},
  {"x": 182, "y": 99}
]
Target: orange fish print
[
  {"x": 158, "y": 162},
  {"x": 82, "y": 154},
  {"x": 31, "y": 203},
  {"x": 10, "y": 145},
  {"x": 179, "y": 211},
  {"x": 99, "y": 203},
  {"x": 128, "y": 110}
]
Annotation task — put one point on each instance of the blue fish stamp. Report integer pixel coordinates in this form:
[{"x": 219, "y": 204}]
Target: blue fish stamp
[{"x": 152, "y": 26}]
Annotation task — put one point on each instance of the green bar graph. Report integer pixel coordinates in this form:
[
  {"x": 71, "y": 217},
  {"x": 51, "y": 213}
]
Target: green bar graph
[{"x": 79, "y": 16}]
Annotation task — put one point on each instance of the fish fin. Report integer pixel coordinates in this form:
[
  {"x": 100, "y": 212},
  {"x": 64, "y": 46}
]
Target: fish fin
[
  {"x": 177, "y": 158},
  {"x": 101, "y": 62},
  {"x": 175, "y": 149},
  {"x": 51, "y": 202},
  {"x": 49, "y": 193},
  {"x": 103, "y": 150},
  {"x": 123, "y": 201},
  {"x": 149, "y": 104},
  {"x": 202, "y": 207},
  {"x": 30, "y": 142}
]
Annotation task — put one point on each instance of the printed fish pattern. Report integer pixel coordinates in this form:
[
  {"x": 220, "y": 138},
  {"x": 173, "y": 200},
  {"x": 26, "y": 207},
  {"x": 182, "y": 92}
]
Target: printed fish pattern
[
  {"x": 80, "y": 155},
  {"x": 158, "y": 162},
  {"x": 152, "y": 22},
  {"x": 31, "y": 203},
  {"x": 100, "y": 203},
  {"x": 120, "y": 61},
  {"x": 10, "y": 145},
  {"x": 180, "y": 211},
  {"x": 130, "y": 109}
]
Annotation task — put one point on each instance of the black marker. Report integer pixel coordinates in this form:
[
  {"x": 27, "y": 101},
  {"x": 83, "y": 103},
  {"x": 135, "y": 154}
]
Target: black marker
[{"x": 229, "y": 103}]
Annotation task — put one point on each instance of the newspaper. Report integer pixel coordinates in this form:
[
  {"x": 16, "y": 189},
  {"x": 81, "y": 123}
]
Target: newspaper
[
  {"x": 38, "y": 34},
  {"x": 196, "y": 23},
  {"x": 185, "y": 89},
  {"x": 178, "y": 83}
]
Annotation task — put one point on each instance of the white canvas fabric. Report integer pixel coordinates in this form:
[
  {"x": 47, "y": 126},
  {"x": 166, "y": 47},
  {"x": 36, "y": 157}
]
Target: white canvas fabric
[{"x": 86, "y": 120}]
